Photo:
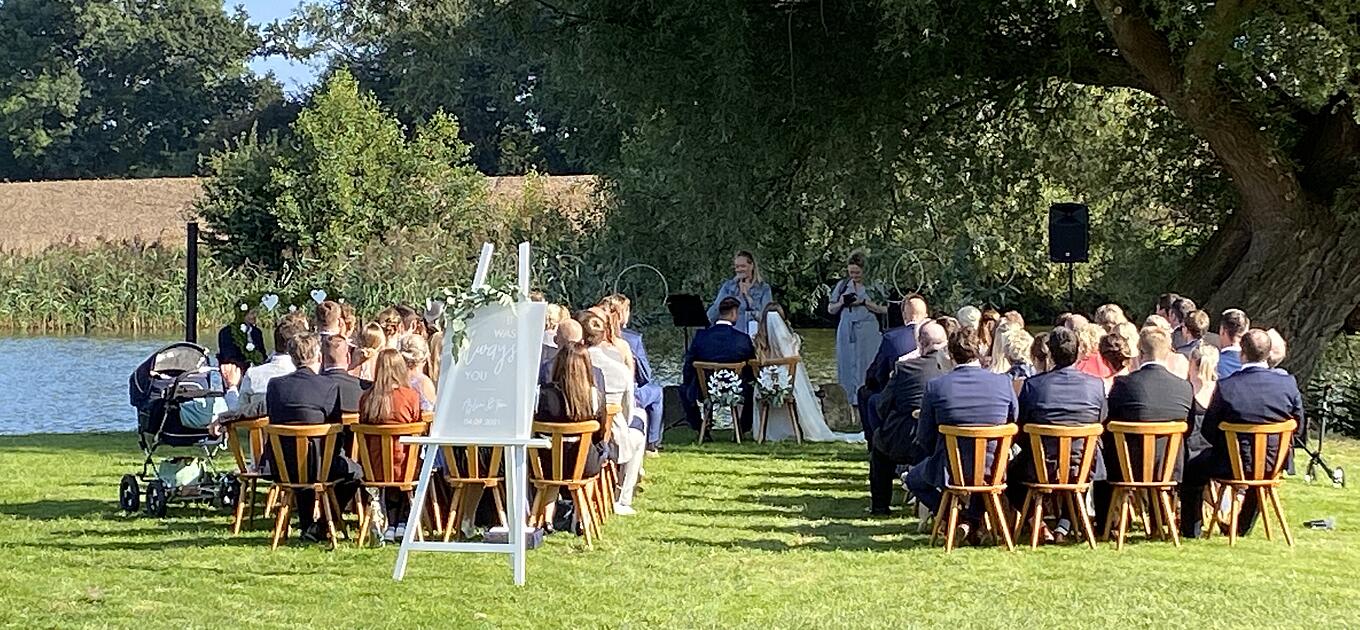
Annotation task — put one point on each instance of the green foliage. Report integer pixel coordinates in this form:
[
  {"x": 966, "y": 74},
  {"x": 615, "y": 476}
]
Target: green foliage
[
  {"x": 105, "y": 88},
  {"x": 347, "y": 176}
]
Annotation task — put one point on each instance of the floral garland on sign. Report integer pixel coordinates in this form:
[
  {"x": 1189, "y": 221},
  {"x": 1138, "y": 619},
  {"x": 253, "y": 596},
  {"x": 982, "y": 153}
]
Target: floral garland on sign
[
  {"x": 460, "y": 306},
  {"x": 724, "y": 391},
  {"x": 773, "y": 385},
  {"x": 240, "y": 330}
]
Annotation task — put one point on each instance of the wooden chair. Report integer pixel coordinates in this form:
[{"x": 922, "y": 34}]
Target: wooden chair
[
  {"x": 296, "y": 475},
  {"x": 1264, "y": 480},
  {"x": 379, "y": 466},
  {"x": 702, "y": 370},
  {"x": 608, "y": 479},
  {"x": 470, "y": 471},
  {"x": 1146, "y": 487},
  {"x": 790, "y": 364},
  {"x": 566, "y": 475},
  {"x": 1066, "y": 489},
  {"x": 248, "y": 472},
  {"x": 980, "y": 479}
]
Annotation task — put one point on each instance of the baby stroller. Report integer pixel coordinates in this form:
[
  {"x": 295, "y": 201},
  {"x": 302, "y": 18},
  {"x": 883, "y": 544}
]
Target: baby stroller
[{"x": 168, "y": 388}]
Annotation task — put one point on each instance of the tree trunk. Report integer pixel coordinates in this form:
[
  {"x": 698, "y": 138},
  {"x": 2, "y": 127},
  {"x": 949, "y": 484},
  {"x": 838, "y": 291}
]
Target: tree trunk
[{"x": 1304, "y": 280}]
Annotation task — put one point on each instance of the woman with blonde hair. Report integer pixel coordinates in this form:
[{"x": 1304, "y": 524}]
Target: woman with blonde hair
[
  {"x": 1203, "y": 383},
  {"x": 389, "y": 319},
  {"x": 391, "y": 401},
  {"x": 371, "y": 342},
  {"x": 1088, "y": 352},
  {"x": 1129, "y": 332},
  {"x": 619, "y": 382},
  {"x": 614, "y": 308},
  {"x": 1110, "y": 316},
  {"x": 1017, "y": 345},
  {"x": 416, "y": 352},
  {"x": 996, "y": 362},
  {"x": 747, "y": 287}
]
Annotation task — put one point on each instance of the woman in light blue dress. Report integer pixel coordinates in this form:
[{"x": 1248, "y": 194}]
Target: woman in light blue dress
[
  {"x": 747, "y": 287},
  {"x": 858, "y": 335}
]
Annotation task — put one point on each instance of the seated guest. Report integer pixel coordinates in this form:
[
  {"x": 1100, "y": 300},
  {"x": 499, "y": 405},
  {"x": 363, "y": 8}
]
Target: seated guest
[
  {"x": 1088, "y": 351},
  {"x": 1062, "y": 396},
  {"x": 1110, "y": 316},
  {"x": 365, "y": 357},
  {"x": 1278, "y": 350},
  {"x": 997, "y": 362},
  {"x": 1117, "y": 355},
  {"x": 416, "y": 353},
  {"x": 619, "y": 382},
  {"x": 894, "y": 345},
  {"x": 967, "y": 395},
  {"x": 1231, "y": 326},
  {"x": 570, "y": 395},
  {"x": 719, "y": 343},
  {"x": 1158, "y": 321},
  {"x": 1150, "y": 393},
  {"x": 1018, "y": 348},
  {"x": 987, "y": 332},
  {"x": 349, "y": 323},
  {"x": 391, "y": 401},
  {"x": 1130, "y": 334},
  {"x": 553, "y": 315},
  {"x": 1203, "y": 384},
  {"x": 969, "y": 316},
  {"x": 307, "y": 397},
  {"x": 1073, "y": 321},
  {"x": 896, "y": 406},
  {"x": 1180, "y": 311},
  {"x": 1015, "y": 318},
  {"x": 390, "y": 321},
  {"x": 1255, "y": 394},
  {"x": 255, "y": 383},
  {"x": 412, "y": 321},
  {"x": 1038, "y": 354},
  {"x": 328, "y": 318},
  {"x": 647, "y": 393},
  {"x": 227, "y": 350},
  {"x": 334, "y": 361}
]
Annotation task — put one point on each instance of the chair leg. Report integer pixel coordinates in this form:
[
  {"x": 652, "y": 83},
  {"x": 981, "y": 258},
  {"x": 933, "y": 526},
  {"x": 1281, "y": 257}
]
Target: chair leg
[
  {"x": 797, "y": 429},
  {"x": 1274, "y": 495},
  {"x": 365, "y": 521},
  {"x": 326, "y": 510},
  {"x": 1002, "y": 528},
  {"x": 1236, "y": 513},
  {"x": 1024, "y": 513},
  {"x": 1125, "y": 515},
  {"x": 435, "y": 514},
  {"x": 500, "y": 504},
  {"x": 455, "y": 513},
  {"x": 1173, "y": 521},
  {"x": 764, "y": 423},
  {"x": 1116, "y": 504},
  {"x": 940, "y": 517},
  {"x": 281, "y": 520},
  {"x": 1086, "y": 524},
  {"x": 271, "y": 500},
  {"x": 240, "y": 511},
  {"x": 1261, "y": 509},
  {"x": 1038, "y": 522},
  {"x": 953, "y": 524},
  {"x": 736, "y": 424},
  {"x": 578, "y": 500}
]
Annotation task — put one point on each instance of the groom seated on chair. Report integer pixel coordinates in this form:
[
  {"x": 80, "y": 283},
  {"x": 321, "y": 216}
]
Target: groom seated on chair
[
  {"x": 719, "y": 343},
  {"x": 967, "y": 395}
]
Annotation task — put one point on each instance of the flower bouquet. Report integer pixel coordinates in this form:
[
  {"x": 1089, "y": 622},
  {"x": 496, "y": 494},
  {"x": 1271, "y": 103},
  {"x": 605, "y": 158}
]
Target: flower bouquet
[
  {"x": 773, "y": 385},
  {"x": 724, "y": 393}
]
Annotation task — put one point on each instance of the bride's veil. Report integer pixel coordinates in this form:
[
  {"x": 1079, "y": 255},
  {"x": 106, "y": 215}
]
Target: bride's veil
[{"x": 781, "y": 339}]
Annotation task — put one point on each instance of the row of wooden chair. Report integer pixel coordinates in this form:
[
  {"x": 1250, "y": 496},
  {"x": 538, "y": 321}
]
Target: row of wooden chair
[
  {"x": 1148, "y": 489},
  {"x": 703, "y": 369}
]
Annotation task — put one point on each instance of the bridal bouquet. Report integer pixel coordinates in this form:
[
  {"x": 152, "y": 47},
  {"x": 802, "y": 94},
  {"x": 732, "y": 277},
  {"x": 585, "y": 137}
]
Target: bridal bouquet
[
  {"x": 724, "y": 392},
  {"x": 773, "y": 385}
]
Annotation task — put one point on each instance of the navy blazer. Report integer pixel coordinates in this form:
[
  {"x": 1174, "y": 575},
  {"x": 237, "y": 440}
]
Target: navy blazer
[
  {"x": 719, "y": 343},
  {"x": 303, "y": 397},
  {"x": 1254, "y": 395},
  {"x": 907, "y": 386},
  {"x": 351, "y": 390},
  {"x": 1229, "y": 362},
  {"x": 1148, "y": 394},
  {"x": 1066, "y": 397},
  {"x": 968, "y": 395},
  {"x": 895, "y": 343},
  {"x": 642, "y": 367}
]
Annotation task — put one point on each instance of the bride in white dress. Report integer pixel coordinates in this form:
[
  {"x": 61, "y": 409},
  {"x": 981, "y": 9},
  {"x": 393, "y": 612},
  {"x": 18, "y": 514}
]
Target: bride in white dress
[{"x": 774, "y": 340}]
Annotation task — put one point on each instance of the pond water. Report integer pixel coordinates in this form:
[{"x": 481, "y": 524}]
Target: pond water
[{"x": 76, "y": 384}]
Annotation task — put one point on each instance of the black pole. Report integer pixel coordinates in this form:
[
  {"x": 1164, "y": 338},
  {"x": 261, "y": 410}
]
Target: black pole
[
  {"x": 191, "y": 284},
  {"x": 1071, "y": 290}
]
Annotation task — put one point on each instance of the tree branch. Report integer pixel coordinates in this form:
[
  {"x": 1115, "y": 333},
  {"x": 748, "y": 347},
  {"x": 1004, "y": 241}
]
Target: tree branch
[
  {"x": 1144, "y": 48},
  {"x": 1212, "y": 44}
]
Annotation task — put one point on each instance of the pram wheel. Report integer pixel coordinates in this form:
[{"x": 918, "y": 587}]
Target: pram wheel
[
  {"x": 129, "y": 495},
  {"x": 156, "y": 498}
]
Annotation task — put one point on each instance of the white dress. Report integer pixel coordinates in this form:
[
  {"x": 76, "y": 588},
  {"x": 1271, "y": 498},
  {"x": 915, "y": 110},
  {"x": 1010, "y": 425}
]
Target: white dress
[{"x": 784, "y": 344}]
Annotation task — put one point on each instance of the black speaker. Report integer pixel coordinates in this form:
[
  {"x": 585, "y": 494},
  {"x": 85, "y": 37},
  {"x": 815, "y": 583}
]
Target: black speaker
[{"x": 1069, "y": 233}]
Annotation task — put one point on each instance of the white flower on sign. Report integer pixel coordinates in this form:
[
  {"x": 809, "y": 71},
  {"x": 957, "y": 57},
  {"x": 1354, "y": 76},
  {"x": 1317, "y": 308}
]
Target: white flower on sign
[
  {"x": 318, "y": 296},
  {"x": 269, "y": 301}
]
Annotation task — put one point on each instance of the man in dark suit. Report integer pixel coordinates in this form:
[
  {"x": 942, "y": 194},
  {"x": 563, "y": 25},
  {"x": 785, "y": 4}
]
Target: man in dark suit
[
  {"x": 896, "y": 343},
  {"x": 967, "y": 395},
  {"x": 897, "y": 404},
  {"x": 335, "y": 366},
  {"x": 1149, "y": 394},
  {"x": 227, "y": 350},
  {"x": 1062, "y": 396},
  {"x": 719, "y": 343},
  {"x": 306, "y": 397},
  {"x": 1256, "y": 394}
]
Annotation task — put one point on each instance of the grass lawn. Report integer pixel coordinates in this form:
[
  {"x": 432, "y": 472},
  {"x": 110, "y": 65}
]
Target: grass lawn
[{"x": 755, "y": 536}]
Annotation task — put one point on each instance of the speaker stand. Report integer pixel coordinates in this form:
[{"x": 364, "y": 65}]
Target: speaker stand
[{"x": 1071, "y": 287}]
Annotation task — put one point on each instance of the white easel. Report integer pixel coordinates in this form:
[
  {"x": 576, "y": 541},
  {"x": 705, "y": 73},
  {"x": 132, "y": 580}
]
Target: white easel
[{"x": 515, "y": 448}]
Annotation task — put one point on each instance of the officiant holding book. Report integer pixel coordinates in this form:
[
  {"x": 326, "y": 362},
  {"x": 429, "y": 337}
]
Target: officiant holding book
[{"x": 748, "y": 288}]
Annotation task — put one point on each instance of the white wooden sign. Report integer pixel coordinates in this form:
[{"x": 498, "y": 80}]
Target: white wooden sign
[{"x": 486, "y": 397}]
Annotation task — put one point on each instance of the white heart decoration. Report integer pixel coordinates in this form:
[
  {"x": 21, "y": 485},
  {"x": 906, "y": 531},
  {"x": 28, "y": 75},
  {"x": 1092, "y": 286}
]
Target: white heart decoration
[
  {"x": 245, "y": 328},
  {"x": 269, "y": 301},
  {"x": 318, "y": 296}
]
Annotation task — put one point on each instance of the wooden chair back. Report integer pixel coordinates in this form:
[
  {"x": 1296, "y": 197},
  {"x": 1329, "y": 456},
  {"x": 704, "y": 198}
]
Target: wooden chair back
[
  {"x": 994, "y": 438},
  {"x": 379, "y": 467},
  {"x": 472, "y": 463},
  {"x": 703, "y": 368},
  {"x": 1259, "y": 445},
  {"x": 255, "y": 438},
  {"x": 790, "y": 364},
  {"x": 1086, "y": 434},
  {"x": 427, "y": 416},
  {"x": 349, "y": 419},
  {"x": 1148, "y": 434},
  {"x": 562, "y": 434},
  {"x": 297, "y": 472}
]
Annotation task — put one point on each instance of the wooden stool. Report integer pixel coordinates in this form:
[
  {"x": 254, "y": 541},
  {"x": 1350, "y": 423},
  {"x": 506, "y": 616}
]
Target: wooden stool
[
  {"x": 1145, "y": 488},
  {"x": 564, "y": 475},
  {"x": 791, "y": 367},
  {"x": 380, "y": 470},
  {"x": 1264, "y": 478},
  {"x": 1066, "y": 489},
  {"x": 469, "y": 478},
  {"x": 990, "y": 483},
  {"x": 248, "y": 468},
  {"x": 703, "y": 369},
  {"x": 296, "y": 474}
]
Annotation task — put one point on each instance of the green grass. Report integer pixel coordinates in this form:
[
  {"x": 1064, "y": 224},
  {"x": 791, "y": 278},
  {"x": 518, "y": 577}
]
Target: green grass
[{"x": 755, "y": 536}]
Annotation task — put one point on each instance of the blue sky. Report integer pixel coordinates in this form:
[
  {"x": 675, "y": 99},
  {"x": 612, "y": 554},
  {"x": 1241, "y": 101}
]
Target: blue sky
[{"x": 294, "y": 76}]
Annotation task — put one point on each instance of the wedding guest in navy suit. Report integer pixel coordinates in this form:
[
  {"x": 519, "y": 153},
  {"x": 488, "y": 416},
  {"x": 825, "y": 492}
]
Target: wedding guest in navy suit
[
  {"x": 895, "y": 344},
  {"x": 968, "y": 395},
  {"x": 901, "y": 398},
  {"x": 1256, "y": 394},
  {"x": 720, "y": 343},
  {"x": 1061, "y": 396}
]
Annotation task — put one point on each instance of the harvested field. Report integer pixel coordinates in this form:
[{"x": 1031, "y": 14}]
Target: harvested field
[{"x": 34, "y": 215}]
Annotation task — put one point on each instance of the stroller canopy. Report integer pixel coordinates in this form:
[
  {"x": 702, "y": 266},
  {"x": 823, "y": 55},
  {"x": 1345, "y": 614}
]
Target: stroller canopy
[{"x": 172, "y": 360}]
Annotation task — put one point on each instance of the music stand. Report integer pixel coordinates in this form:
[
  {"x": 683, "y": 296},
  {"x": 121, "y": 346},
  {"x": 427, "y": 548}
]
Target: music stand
[{"x": 687, "y": 311}]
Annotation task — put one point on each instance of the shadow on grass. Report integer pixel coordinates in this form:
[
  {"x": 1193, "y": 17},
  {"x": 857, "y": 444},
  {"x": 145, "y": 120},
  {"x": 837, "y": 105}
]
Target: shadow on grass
[
  {"x": 52, "y": 510},
  {"x": 112, "y": 443}
]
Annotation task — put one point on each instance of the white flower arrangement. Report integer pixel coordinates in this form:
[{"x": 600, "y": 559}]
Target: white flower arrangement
[
  {"x": 461, "y": 305},
  {"x": 774, "y": 385},
  {"x": 724, "y": 392}
]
